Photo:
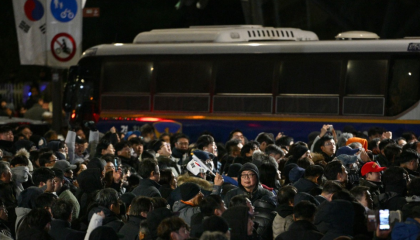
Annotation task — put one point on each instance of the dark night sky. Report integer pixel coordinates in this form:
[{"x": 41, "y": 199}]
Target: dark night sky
[{"x": 121, "y": 20}]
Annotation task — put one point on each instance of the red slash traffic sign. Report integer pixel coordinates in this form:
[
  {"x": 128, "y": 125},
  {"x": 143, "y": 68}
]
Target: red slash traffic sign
[{"x": 63, "y": 47}]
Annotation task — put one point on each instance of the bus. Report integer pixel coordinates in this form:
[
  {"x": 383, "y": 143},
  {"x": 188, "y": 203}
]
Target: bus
[{"x": 252, "y": 78}]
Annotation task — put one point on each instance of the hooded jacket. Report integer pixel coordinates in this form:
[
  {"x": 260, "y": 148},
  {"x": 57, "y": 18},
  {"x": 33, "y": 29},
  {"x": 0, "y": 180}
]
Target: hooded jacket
[{"x": 258, "y": 191}]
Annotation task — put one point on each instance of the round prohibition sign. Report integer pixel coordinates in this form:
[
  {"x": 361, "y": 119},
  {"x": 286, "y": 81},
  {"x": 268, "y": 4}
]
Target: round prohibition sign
[{"x": 60, "y": 49}]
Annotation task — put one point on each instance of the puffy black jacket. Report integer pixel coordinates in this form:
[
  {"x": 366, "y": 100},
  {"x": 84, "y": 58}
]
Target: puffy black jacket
[{"x": 265, "y": 214}]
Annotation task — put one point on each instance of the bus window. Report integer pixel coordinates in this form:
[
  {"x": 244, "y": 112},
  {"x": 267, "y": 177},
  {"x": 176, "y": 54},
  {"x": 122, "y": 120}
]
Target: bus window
[
  {"x": 366, "y": 77},
  {"x": 127, "y": 76},
  {"x": 183, "y": 77},
  {"x": 310, "y": 77},
  {"x": 404, "y": 85},
  {"x": 238, "y": 76}
]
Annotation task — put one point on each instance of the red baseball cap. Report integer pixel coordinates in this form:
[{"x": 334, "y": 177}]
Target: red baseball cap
[{"x": 371, "y": 167}]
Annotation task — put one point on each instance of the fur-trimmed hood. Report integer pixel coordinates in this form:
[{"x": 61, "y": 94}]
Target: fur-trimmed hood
[{"x": 204, "y": 184}]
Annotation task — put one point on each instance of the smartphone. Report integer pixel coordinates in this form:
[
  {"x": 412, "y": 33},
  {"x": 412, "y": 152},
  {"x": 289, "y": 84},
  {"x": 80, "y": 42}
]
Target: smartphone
[
  {"x": 384, "y": 219},
  {"x": 116, "y": 164}
]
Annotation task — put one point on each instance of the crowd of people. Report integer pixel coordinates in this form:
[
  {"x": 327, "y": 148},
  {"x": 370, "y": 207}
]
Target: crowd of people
[{"x": 112, "y": 185}]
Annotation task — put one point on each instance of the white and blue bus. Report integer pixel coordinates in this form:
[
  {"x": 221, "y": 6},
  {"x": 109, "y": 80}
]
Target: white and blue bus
[{"x": 257, "y": 79}]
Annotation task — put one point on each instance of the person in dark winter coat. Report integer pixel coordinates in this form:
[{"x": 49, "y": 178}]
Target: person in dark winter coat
[
  {"x": 395, "y": 180},
  {"x": 249, "y": 184},
  {"x": 409, "y": 229},
  {"x": 139, "y": 208},
  {"x": 334, "y": 218},
  {"x": 264, "y": 216},
  {"x": 60, "y": 225},
  {"x": 107, "y": 201},
  {"x": 89, "y": 182},
  {"x": 240, "y": 222},
  {"x": 413, "y": 199},
  {"x": 302, "y": 228},
  {"x": 148, "y": 187},
  {"x": 309, "y": 183}
]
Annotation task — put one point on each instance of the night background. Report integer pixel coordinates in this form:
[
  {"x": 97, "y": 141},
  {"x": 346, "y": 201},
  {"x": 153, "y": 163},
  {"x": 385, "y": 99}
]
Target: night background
[{"x": 121, "y": 20}]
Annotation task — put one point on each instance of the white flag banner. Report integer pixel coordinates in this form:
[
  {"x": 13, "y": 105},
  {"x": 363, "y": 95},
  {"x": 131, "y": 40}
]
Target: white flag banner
[
  {"x": 64, "y": 32},
  {"x": 30, "y": 19},
  {"x": 49, "y": 31}
]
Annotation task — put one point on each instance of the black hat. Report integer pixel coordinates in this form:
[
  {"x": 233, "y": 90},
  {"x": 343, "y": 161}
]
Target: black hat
[
  {"x": 189, "y": 190},
  {"x": 215, "y": 223},
  {"x": 248, "y": 167},
  {"x": 104, "y": 233},
  {"x": 155, "y": 217},
  {"x": 234, "y": 170}
]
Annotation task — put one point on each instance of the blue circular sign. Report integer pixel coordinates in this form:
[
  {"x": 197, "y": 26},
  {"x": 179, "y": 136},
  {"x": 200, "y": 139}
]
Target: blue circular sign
[{"x": 64, "y": 10}]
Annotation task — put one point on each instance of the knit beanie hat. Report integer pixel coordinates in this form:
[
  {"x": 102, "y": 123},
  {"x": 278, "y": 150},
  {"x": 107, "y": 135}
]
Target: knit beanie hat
[
  {"x": 189, "y": 190},
  {"x": 234, "y": 170},
  {"x": 248, "y": 167},
  {"x": 215, "y": 223}
]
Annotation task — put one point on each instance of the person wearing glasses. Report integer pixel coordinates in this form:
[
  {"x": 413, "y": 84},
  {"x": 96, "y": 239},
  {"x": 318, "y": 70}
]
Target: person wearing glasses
[{"x": 249, "y": 184}]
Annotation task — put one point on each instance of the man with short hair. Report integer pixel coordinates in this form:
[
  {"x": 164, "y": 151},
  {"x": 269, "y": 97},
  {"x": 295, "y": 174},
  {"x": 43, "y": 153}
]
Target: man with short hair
[
  {"x": 211, "y": 205},
  {"x": 81, "y": 153},
  {"x": 123, "y": 151},
  {"x": 409, "y": 160},
  {"x": 6, "y": 139},
  {"x": 138, "y": 147},
  {"x": 309, "y": 183},
  {"x": 206, "y": 143},
  {"x": 249, "y": 184},
  {"x": 302, "y": 227},
  {"x": 180, "y": 151},
  {"x": 191, "y": 197},
  {"x": 61, "y": 224},
  {"x": 248, "y": 150},
  {"x": 233, "y": 148},
  {"x": 173, "y": 228},
  {"x": 363, "y": 196},
  {"x": 148, "y": 187},
  {"x": 237, "y": 134},
  {"x": 107, "y": 200},
  {"x": 326, "y": 146},
  {"x": 274, "y": 151},
  {"x": 264, "y": 139},
  {"x": 63, "y": 192},
  {"x": 137, "y": 212},
  {"x": 328, "y": 190},
  {"x": 44, "y": 178},
  {"x": 335, "y": 171},
  {"x": 47, "y": 159},
  {"x": 163, "y": 153}
]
